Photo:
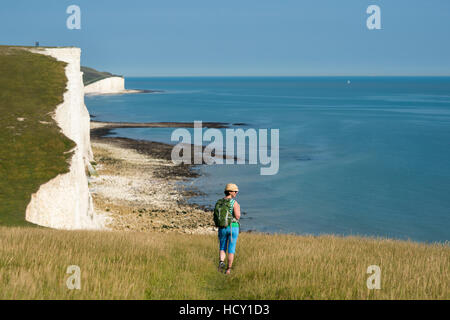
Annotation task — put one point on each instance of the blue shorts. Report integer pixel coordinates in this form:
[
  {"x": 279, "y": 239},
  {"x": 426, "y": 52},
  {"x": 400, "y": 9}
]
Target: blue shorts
[{"x": 225, "y": 239}]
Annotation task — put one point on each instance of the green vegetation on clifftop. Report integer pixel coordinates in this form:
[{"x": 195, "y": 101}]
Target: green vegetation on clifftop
[
  {"x": 32, "y": 148},
  {"x": 91, "y": 75}
]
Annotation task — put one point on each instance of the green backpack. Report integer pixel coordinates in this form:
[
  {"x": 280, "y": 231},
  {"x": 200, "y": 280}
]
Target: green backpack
[{"x": 223, "y": 212}]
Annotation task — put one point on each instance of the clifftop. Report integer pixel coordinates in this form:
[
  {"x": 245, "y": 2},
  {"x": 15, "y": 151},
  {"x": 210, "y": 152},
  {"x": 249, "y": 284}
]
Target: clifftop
[
  {"x": 91, "y": 75},
  {"x": 44, "y": 141},
  {"x": 65, "y": 201},
  {"x": 33, "y": 150}
]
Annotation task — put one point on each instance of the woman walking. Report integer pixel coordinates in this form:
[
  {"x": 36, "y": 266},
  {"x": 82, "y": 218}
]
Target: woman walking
[{"x": 228, "y": 234}]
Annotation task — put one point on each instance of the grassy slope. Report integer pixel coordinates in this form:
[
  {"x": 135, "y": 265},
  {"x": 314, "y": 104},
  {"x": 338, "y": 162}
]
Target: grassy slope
[
  {"x": 127, "y": 265},
  {"x": 31, "y": 152},
  {"x": 91, "y": 75}
]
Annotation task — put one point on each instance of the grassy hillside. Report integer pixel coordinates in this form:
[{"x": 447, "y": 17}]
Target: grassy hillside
[
  {"x": 91, "y": 75},
  {"x": 32, "y": 149},
  {"x": 127, "y": 265}
]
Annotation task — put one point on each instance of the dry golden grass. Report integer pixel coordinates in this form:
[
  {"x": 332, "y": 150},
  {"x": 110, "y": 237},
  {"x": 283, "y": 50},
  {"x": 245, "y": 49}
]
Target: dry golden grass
[{"x": 132, "y": 265}]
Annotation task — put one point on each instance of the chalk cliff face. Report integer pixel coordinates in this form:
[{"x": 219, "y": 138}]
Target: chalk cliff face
[
  {"x": 106, "y": 86},
  {"x": 65, "y": 202}
]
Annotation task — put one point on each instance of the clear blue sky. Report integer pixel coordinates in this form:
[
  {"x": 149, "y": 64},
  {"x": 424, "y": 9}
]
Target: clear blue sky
[{"x": 241, "y": 37}]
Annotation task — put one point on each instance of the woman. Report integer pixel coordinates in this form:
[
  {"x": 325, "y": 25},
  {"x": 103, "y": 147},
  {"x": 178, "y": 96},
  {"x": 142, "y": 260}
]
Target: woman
[{"x": 228, "y": 235}]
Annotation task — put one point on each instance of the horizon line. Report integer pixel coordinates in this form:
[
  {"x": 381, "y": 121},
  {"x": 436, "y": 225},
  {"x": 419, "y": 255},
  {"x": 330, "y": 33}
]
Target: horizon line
[{"x": 283, "y": 75}]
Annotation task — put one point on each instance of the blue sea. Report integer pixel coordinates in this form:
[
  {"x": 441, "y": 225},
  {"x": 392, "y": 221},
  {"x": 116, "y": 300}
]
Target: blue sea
[{"x": 358, "y": 155}]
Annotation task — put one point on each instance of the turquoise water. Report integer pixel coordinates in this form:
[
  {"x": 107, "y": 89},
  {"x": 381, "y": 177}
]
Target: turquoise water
[{"x": 369, "y": 157}]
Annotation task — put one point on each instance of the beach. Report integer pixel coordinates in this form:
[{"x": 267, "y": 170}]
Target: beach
[{"x": 138, "y": 188}]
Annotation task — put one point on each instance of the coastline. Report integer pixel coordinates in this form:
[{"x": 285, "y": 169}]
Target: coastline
[
  {"x": 137, "y": 186},
  {"x": 125, "y": 91},
  {"x": 115, "y": 125},
  {"x": 110, "y": 85}
]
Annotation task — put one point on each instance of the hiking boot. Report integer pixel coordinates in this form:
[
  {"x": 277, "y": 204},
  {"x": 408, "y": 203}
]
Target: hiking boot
[{"x": 221, "y": 266}]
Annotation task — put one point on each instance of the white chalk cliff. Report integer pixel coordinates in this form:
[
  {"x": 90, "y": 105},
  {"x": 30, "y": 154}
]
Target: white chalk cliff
[
  {"x": 65, "y": 201},
  {"x": 111, "y": 85}
]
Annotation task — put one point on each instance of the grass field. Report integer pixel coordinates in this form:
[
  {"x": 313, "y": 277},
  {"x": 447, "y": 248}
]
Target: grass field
[
  {"x": 32, "y": 149},
  {"x": 127, "y": 265}
]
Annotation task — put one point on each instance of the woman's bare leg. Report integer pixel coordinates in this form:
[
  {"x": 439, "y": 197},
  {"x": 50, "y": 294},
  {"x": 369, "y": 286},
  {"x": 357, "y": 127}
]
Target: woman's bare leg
[
  {"x": 222, "y": 255},
  {"x": 230, "y": 261}
]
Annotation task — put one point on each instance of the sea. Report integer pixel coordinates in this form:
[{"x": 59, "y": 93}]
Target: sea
[{"x": 362, "y": 156}]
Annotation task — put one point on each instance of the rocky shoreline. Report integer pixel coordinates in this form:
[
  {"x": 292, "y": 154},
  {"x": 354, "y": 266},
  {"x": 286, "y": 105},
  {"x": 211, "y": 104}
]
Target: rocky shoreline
[{"x": 138, "y": 188}]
